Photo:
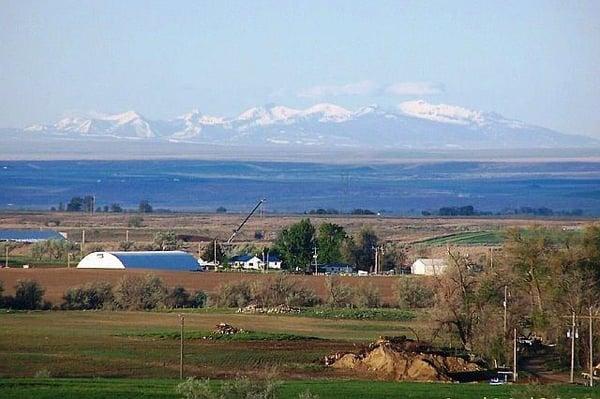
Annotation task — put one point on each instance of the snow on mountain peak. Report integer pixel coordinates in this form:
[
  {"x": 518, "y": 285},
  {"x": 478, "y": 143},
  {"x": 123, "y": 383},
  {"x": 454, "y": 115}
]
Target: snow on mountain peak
[
  {"x": 328, "y": 112},
  {"x": 442, "y": 113}
]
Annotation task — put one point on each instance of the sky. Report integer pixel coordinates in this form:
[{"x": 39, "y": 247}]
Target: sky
[{"x": 536, "y": 61}]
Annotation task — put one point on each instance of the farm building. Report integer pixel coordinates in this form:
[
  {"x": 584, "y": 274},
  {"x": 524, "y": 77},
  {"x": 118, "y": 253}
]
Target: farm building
[
  {"x": 25, "y": 235},
  {"x": 253, "y": 262},
  {"x": 429, "y": 267},
  {"x": 335, "y": 268},
  {"x": 158, "y": 260}
]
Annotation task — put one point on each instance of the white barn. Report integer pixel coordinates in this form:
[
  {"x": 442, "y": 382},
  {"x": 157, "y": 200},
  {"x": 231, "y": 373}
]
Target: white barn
[
  {"x": 428, "y": 267},
  {"x": 157, "y": 260}
]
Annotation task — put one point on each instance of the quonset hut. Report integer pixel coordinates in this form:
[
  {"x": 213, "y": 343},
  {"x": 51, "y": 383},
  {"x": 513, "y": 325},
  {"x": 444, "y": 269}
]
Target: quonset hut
[
  {"x": 29, "y": 236},
  {"x": 157, "y": 260}
]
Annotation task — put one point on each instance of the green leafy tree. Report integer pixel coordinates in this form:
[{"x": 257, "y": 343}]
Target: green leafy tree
[
  {"x": 209, "y": 252},
  {"x": 329, "y": 242},
  {"x": 145, "y": 207},
  {"x": 359, "y": 251},
  {"x": 75, "y": 205},
  {"x": 296, "y": 243}
]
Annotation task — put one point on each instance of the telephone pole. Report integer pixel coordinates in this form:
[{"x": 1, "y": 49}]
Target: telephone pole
[
  {"x": 515, "y": 355},
  {"x": 591, "y": 348},
  {"x": 315, "y": 256},
  {"x": 6, "y": 255},
  {"x": 572, "y": 333},
  {"x": 82, "y": 241},
  {"x": 181, "y": 318},
  {"x": 215, "y": 252},
  {"x": 505, "y": 304}
]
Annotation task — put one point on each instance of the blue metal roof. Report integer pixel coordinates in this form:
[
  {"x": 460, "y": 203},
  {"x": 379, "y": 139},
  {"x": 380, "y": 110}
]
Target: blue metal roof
[
  {"x": 158, "y": 260},
  {"x": 241, "y": 258},
  {"x": 29, "y": 235}
]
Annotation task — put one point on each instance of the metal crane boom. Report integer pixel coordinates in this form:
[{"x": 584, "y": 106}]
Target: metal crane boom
[{"x": 237, "y": 230}]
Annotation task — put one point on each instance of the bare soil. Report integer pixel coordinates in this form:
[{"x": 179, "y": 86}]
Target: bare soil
[{"x": 57, "y": 280}]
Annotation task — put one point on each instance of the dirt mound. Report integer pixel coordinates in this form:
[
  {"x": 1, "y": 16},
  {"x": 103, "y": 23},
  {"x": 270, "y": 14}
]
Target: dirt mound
[
  {"x": 226, "y": 329},
  {"x": 400, "y": 359}
]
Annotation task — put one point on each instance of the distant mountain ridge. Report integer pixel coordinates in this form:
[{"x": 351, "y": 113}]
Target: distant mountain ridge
[{"x": 412, "y": 125}]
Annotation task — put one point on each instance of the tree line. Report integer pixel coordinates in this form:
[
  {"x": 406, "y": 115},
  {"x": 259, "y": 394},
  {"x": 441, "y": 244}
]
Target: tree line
[{"x": 87, "y": 203}]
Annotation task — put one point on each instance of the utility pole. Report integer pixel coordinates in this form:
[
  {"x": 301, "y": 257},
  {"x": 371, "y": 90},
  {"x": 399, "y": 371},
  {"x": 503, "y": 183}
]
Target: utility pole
[
  {"x": 82, "y": 241},
  {"x": 181, "y": 318},
  {"x": 127, "y": 235},
  {"x": 505, "y": 304},
  {"x": 572, "y": 333},
  {"x": 6, "y": 255},
  {"x": 315, "y": 256},
  {"x": 376, "y": 259},
  {"x": 591, "y": 349},
  {"x": 68, "y": 260},
  {"x": 268, "y": 257},
  {"x": 515, "y": 355},
  {"x": 215, "y": 252}
]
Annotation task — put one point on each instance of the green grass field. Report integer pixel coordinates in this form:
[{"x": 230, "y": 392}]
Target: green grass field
[
  {"x": 466, "y": 238},
  {"x": 136, "y": 355},
  {"x": 495, "y": 237},
  {"x": 326, "y": 389}
]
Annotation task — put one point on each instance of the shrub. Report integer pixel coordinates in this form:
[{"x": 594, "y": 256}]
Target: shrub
[
  {"x": 140, "y": 293},
  {"x": 166, "y": 241},
  {"x": 178, "y": 297},
  {"x": 239, "y": 388},
  {"x": 234, "y": 295},
  {"x": 411, "y": 294},
  {"x": 338, "y": 294},
  {"x": 95, "y": 295},
  {"x": 43, "y": 373},
  {"x": 307, "y": 395},
  {"x": 126, "y": 246},
  {"x": 29, "y": 295},
  {"x": 135, "y": 221},
  {"x": 199, "y": 299},
  {"x": 282, "y": 290},
  {"x": 367, "y": 296}
]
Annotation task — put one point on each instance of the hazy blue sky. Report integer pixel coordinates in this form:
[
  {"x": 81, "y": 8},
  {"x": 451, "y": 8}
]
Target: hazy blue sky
[{"x": 538, "y": 61}]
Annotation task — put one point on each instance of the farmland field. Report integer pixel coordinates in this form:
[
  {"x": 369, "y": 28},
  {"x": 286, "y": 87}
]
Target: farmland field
[
  {"x": 57, "y": 280},
  {"x": 135, "y": 354},
  {"x": 326, "y": 389},
  {"x": 145, "y": 344}
]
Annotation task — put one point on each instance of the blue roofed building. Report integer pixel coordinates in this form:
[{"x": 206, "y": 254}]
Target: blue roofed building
[
  {"x": 156, "y": 260},
  {"x": 29, "y": 235}
]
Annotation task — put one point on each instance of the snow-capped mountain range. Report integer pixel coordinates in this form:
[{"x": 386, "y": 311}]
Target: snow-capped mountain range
[{"x": 412, "y": 124}]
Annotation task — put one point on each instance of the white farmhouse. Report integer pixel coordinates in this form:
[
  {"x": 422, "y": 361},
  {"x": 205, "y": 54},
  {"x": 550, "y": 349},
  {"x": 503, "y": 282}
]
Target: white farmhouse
[
  {"x": 253, "y": 262},
  {"x": 429, "y": 267}
]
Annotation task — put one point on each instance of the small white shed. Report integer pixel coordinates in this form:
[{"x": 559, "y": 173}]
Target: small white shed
[{"x": 428, "y": 267}]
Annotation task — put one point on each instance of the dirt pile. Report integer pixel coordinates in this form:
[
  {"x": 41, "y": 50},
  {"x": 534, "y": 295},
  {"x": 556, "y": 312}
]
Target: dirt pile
[{"x": 403, "y": 359}]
